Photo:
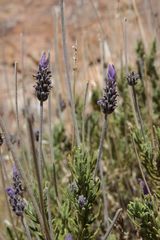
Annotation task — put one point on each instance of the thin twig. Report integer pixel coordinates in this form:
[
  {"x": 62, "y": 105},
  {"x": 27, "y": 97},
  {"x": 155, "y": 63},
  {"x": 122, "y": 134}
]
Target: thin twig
[
  {"x": 52, "y": 146},
  {"x": 140, "y": 167},
  {"x": 57, "y": 72},
  {"x": 49, "y": 215},
  {"x": 83, "y": 112},
  {"x": 16, "y": 95},
  {"x": 125, "y": 39},
  {"x": 100, "y": 149},
  {"x": 112, "y": 224},
  {"x": 100, "y": 169},
  {"x": 68, "y": 82},
  {"x": 41, "y": 165},
  {"x": 22, "y": 69},
  {"x": 40, "y": 141},
  {"x": 137, "y": 110}
]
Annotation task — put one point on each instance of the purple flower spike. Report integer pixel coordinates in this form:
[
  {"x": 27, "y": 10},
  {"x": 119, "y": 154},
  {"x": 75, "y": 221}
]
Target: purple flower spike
[
  {"x": 68, "y": 237},
  {"x": 43, "y": 79},
  {"x": 15, "y": 193},
  {"x": 44, "y": 61},
  {"x": 109, "y": 100},
  {"x": 111, "y": 72}
]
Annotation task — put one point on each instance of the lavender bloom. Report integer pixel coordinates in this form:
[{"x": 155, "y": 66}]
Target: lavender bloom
[
  {"x": 132, "y": 78},
  {"x": 109, "y": 100},
  {"x": 15, "y": 193},
  {"x": 17, "y": 183},
  {"x": 82, "y": 201},
  {"x": 43, "y": 82},
  {"x": 143, "y": 186},
  {"x": 68, "y": 237},
  {"x": 16, "y": 202}
]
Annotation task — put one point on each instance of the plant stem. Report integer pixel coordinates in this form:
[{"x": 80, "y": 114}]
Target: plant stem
[
  {"x": 137, "y": 110},
  {"x": 134, "y": 102},
  {"x": 16, "y": 95},
  {"x": 83, "y": 113},
  {"x": 22, "y": 66},
  {"x": 36, "y": 165},
  {"x": 100, "y": 149},
  {"x": 68, "y": 82},
  {"x": 26, "y": 228},
  {"x": 41, "y": 171},
  {"x": 141, "y": 169},
  {"x": 112, "y": 224},
  {"x": 40, "y": 140},
  {"x": 57, "y": 72},
  {"x": 52, "y": 147},
  {"x": 49, "y": 215},
  {"x": 100, "y": 169}
]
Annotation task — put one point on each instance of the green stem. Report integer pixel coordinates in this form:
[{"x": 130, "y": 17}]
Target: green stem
[
  {"x": 83, "y": 113},
  {"x": 41, "y": 172},
  {"x": 100, "y": 169},
  {"x": 52, "y": 147},
  {"x": 137, "y": 110},
  {"x": 100, "y": 149}
]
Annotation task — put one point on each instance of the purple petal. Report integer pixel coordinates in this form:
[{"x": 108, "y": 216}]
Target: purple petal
[
  {"x": 44, "y": 61},
  {"x": 111, "y": 72},
  {"x": 10, "y": 191}
]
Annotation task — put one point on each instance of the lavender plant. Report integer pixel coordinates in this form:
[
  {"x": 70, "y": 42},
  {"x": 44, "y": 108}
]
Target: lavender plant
[
  {"x": 83, "y": 194},
  {"x": 146, "y": 218}
]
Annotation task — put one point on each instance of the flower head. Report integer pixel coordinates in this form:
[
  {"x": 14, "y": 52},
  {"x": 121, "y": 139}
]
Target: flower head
[
  {"x": 109, "y": 99},
  {"x": 132, "y": 78},
  {"x": 15, "y": 193},
  {"x": 82, "y": 201},
  {"x": 43, "y": 82}
]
